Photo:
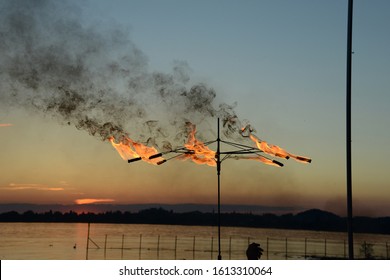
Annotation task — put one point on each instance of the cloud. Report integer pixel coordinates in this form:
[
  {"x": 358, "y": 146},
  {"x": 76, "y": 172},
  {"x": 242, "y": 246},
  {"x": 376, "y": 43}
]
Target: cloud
[
  {"x": 92, "y": 200},
  {"x": 37, "y": 187},
  {"x": 6, "y": 124}
]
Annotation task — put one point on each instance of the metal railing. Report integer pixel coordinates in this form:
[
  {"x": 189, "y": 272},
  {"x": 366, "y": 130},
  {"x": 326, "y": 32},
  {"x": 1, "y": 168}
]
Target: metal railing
[{"x": 159, "y": 247}]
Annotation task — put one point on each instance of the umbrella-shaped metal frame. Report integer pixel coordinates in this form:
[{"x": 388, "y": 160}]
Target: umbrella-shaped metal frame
[{"x": 220, "y": 156}]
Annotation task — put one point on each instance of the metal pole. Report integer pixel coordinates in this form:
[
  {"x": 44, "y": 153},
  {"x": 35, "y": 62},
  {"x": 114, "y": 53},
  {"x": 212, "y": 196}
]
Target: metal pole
[
  {"x": 140, "y": 246},
  {"x": 349, "y": 138},
  {"x": 123, "y": 241},
  {"x": 176, "y": 247},
  {"x": 325, "y": 247},
  {"x": 86, "y": 254},
  {"x": 345, "y": 254},
  {"x": 219, "y": 191},
  {"x": 105, "y": 246},
  {"x": 267, "y": 248},
  {"x": 193, "y": 248},
  {"x": 158, "y": 247},
  {"x": 305, "y": 248},
  {"x": 230, "y": 247},
  {"x": 212, "y": 247},
  {"x": 286, "y": 249}
]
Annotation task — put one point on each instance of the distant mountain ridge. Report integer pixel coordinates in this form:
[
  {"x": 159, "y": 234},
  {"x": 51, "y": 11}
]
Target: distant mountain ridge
[
  {"x": 178, "y": 208},
  {"x": 312, "y": 219}
]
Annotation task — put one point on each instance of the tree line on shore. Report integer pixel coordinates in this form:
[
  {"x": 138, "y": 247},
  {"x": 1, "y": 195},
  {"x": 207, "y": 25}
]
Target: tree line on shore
[{"x": 313, "y": 219}]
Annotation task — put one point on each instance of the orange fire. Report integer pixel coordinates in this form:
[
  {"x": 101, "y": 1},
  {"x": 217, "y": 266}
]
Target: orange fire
[
  {"x": 276, "y": 150},
  {"x": 129, "y": 149},
  {"x": 198, "y": 151}
]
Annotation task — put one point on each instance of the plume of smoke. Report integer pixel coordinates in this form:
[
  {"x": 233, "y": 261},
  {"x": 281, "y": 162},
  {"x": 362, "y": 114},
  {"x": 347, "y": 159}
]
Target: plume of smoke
[{"x": 96, "y": 80}]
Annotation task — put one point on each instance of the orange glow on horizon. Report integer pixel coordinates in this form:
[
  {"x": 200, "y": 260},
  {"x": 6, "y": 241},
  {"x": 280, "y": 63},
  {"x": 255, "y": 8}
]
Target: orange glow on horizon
[
  {"x": 92, "y": 200},
  {"x": 6, "y": 124}
]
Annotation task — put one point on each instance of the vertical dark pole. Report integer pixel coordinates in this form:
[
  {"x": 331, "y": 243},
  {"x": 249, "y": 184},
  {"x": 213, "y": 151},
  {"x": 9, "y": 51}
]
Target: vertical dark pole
[
  {"x": 286, "y": 250},
  {"x": 349, "y": 138},
  {"x": 105, "y": 246},
  {"x": 230, "y": 247},
  {"x": 305, "y": 248},
  {"x": 325, "y": 247},
  {"x": 193, "y": 248},
  {"x": 140, "y": 247},
  {"x": 212, "y": 247},
  {"x": 218, "y": 157},
  {"x": 345, "y": 252},
  {"x": 123, "y": 242},
  {"x": 176, "y": 247},
  {"x": 86, "y": 254},
  {"x": 267, "y": 248},
  {"x": 158, "y": 247}
]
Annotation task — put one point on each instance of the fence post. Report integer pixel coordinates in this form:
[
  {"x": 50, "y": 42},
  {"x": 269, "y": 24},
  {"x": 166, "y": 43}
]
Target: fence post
[
  {"x": 305, "y": 248},
  {"x": 123, "y": 240},
  {"x": 286, "y": 249},
  {"x": 230, "y": 248},
  {"x": 212, "y": 241},
  {"x": 345, "y": 250},
  {"x": 267, "y": 248},
  {"x": 158, "y": 247},
  {"x": 387, "y": 251},
  {"x": 175, "y": 247},
  {"x": 140, "y": 246},
  {"x": 86, "y": 254},
  {"x": 325, "y": 247},
  {"x": 105, "y": 246},
  {"x": 193, "y": 249}
]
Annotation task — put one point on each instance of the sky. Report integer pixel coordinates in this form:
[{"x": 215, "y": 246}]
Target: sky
[{"x": 145, "y": 68}]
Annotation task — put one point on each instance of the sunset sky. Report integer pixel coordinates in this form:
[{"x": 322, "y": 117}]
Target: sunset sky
[{"x": 279, "y": 64}]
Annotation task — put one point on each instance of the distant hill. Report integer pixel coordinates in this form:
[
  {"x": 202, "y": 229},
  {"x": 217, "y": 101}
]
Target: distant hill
[
  {"x": 313, "y": 219},
  {"x": 178, "y": 208}
]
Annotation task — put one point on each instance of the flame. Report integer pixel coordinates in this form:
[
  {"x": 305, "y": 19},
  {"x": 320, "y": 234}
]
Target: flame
[
  {"x": 198, "y": 151},
  {"x": 276, "y": 150},
  {"x": 129, "y": 149}
]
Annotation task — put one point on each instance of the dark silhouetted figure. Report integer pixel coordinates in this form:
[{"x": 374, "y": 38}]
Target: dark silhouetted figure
[{"x": 254, "y": 251}]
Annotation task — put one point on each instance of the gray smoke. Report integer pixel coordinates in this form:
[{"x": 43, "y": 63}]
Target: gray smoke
[{"x": 96, "y": 79}]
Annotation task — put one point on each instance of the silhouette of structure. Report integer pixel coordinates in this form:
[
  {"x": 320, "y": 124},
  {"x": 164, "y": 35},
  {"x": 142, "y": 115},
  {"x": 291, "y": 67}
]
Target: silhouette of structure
[
  {"x": 349, "y": 134},
  {"x": 220, "y": 156}
]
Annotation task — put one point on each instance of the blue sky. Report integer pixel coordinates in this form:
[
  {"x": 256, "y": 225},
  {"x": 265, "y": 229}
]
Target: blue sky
[{"x": 283, "y": 63}]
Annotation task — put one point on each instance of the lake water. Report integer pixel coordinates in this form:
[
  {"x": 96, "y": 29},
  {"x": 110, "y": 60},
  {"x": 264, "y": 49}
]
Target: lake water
[{"x": 68, "y": 241}]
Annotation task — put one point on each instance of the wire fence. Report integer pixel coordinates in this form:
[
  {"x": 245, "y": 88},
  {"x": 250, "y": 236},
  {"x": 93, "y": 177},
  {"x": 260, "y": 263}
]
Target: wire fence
[{"x": 159, "y": 247}]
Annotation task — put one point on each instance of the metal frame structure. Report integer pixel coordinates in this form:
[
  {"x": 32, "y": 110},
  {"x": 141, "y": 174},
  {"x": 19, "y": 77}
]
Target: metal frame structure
[{"x": 239, "y": 149}]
